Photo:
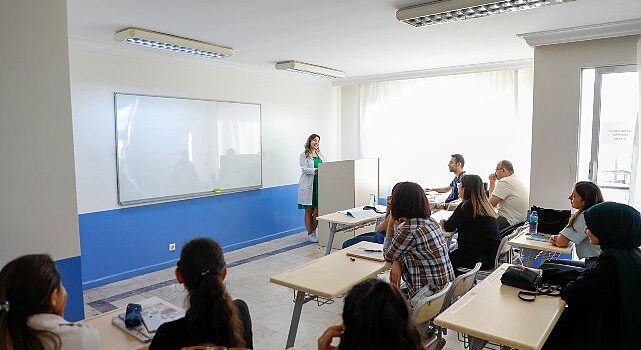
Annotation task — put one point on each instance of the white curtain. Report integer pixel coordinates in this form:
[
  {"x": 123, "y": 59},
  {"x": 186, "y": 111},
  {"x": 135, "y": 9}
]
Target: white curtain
[
  {"x": 635, "y": 186},
  {"x": 414, "y": 125}
]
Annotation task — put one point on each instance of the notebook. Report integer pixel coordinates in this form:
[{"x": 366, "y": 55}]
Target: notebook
[
  {"x": 537, "y": 237},
  {"x": 139, "y": 332},
  {"x": 358, "y": 213},
  {"x": 155, "y": 314},
  {"x": 374, "y": 252}
]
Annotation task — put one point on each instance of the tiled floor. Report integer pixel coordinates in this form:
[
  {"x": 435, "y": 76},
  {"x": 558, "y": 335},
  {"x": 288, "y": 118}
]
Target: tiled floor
[{"x": 248, "y": 279}]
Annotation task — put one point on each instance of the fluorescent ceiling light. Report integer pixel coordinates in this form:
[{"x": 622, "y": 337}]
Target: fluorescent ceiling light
[
  {"x": 444, "y": 11},
  {"x": 307, "y": 68},
  {"x": 148, "y": 38}
]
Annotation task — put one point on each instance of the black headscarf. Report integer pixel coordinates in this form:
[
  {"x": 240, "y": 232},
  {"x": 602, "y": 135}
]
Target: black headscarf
[{"x": 618, "y": 228}]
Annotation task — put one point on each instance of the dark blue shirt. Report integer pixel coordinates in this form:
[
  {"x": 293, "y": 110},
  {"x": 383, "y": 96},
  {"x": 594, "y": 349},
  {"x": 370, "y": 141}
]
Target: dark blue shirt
[{"x": 454, "y": 188}]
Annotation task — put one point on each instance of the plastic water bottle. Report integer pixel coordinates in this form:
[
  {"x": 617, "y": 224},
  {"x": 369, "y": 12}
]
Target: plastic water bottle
[
  {"x": 372, "y": 200},
  {"x": 534, "y": 222}
]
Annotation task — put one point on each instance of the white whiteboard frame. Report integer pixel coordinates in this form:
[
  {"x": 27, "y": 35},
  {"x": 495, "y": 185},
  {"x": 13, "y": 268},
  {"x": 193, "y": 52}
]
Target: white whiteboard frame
[{"x": 188, "y": 195}]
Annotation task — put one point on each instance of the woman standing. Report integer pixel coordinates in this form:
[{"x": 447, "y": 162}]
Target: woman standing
[
  {"x": 603, "y": 302},
  {"x": 584, "y": 195},
  {"x": 32, "y": 304},
  {"x": 475, "y": 221},
  {"x": 308, "y": 184}
]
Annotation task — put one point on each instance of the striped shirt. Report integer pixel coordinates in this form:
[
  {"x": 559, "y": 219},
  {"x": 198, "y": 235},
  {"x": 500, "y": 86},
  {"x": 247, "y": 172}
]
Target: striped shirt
[{"x": 419, "y": 246}]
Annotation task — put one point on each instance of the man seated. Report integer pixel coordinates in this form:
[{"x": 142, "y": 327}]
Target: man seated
[
  {"x": 456, "y": 164},
  {"x": 510, "y": 194}
]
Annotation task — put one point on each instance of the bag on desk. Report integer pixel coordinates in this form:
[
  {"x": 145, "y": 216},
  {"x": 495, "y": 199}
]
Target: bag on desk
[
  {"x": 522, "y": 278},
  {"x": 551, "y": 221}
]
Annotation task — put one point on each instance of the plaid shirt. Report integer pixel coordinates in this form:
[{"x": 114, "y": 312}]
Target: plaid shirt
[{"x": 422, "y": 251}]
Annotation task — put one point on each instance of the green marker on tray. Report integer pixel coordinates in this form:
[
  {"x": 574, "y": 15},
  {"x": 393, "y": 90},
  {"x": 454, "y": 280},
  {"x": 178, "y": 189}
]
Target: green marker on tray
[{"x": 217, "y": 190}]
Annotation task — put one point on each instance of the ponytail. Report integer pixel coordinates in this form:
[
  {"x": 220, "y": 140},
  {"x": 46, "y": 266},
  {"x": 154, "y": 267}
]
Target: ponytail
[
  {"x": 212, "y": 316},
  {"x": 212, "y": 312}
]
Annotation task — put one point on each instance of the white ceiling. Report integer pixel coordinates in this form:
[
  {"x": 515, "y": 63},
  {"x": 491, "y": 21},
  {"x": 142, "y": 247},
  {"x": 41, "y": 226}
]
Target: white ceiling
[{"x": 361, "y": 37}]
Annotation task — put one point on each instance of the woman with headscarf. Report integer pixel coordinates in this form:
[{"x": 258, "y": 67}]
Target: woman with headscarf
[{"x": 604, "y": 302}]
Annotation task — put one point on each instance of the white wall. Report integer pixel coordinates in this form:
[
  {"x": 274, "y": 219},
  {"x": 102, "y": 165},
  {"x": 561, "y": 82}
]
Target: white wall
[
  {"x": 555, "y": 121},
  {"x": 349, "y": 121},
  {"x": 292, "y": 108},
  {"x": 37, "y": 188}
]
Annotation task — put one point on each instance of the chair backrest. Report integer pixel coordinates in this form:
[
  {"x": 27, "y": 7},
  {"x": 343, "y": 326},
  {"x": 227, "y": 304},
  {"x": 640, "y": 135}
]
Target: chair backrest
[
  {"x": 506, "y": 235},
  {"x": 428, "y": 308},
  {"x": 461, "y": 285}
]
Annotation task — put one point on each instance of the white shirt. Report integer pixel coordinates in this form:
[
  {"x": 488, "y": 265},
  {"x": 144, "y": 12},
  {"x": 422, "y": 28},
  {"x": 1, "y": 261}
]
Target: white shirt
[
  {"x": 73, "y": 336},
  {"x": 514, "y": 197}
]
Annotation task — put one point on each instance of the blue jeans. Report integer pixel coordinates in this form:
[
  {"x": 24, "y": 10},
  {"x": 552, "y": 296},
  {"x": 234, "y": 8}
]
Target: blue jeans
[{"x": 374, "y": 237}]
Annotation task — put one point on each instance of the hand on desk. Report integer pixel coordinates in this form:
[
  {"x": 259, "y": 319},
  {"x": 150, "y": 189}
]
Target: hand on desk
[
  {"x": 325, "y": 340},
  {"x": 553, "y": 239},
  {"x": 442, "y": 223}
]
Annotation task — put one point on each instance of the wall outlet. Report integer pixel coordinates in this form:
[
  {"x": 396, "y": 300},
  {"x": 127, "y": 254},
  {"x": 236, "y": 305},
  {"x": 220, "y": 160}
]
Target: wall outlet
[{"x": 172, "y": 247}]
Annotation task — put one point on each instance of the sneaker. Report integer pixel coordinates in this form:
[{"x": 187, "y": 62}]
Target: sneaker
[{"x": 313, "y": 237}]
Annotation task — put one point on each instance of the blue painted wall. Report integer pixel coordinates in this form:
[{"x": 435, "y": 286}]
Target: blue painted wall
[
  {"x": 122, "y": 243},
  {"x": 71, "y": 274}
]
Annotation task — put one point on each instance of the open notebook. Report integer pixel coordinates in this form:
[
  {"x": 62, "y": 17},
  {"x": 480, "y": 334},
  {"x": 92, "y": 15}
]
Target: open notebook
[
  {"x": 538, "y": 237},
  {"x": 369, "y": 251},
  {"x": 358, "y": 213},
  {"x": 155, "y": 312}
]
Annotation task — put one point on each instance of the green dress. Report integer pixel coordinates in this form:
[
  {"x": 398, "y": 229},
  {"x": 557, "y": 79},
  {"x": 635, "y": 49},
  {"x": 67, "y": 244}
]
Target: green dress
[{"x": 317, "y": 161}]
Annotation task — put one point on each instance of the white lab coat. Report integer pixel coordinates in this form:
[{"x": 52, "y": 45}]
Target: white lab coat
[{"x": 306, "y": 182}]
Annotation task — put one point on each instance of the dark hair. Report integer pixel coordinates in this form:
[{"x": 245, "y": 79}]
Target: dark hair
[
  {"x": 376, "y": 316},
  {"x": 409, "y": 201},
  {"x": 507, "y": 165},
  {"x": 27, "y": 283},
  {"x": 458, "y": 158},
  {"x": 308, "y": 144},
  {"x": 474, "y": 194},
  {"x": 212, "y": 316},
  {"x": 591, "y": 194}
]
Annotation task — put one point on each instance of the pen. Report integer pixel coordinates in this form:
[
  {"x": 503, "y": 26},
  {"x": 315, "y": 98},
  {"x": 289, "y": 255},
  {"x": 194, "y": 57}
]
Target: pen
[{"x": 373, "y": 250}]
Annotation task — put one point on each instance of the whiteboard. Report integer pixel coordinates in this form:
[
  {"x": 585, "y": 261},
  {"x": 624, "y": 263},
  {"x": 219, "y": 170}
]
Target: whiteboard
[{"x": 169, "y": 148}]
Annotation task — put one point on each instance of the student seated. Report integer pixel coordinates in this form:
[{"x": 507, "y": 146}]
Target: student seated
[
  {"x": 213, "y": 317},
  {"x": 475, "y": 221},
  {"x": 32, "y": 304},
  {"x": 414, "y": 242},
  {"x": 510, "y": 194},
  {"x": 603, "y": 302},
  {"x": 376, "y": 316},
  {"x": 584, "y": 195},
  {"x": 456, "y": 164}
]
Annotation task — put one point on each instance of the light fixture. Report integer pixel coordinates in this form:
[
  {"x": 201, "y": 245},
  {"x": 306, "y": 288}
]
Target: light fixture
[
  {"x": 444, "y": 11},
  {"x": 312, "y": 69},
  {"x": 148, "y": 38}
]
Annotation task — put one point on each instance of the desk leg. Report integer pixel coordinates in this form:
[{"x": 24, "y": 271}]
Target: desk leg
[
  {"x": 293, "y": 327},
  {"x": 528, "y": 255},
  {"x": 476, "y": 343},
  {"x": 330, "y": 239}
]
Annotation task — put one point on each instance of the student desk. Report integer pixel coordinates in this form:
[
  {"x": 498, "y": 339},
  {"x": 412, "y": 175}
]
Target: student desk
[
  {"x": 493, "y": 312},
  {"x": 531, "y": 248},
  {"x": 339, "y": 222},
  {"x": 112, "y": 337},
  {"x": 327, "y": 277}
]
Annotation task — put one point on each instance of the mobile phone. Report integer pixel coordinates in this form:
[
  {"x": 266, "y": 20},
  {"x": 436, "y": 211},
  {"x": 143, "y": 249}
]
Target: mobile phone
[{"x": 133, "y": 315}]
